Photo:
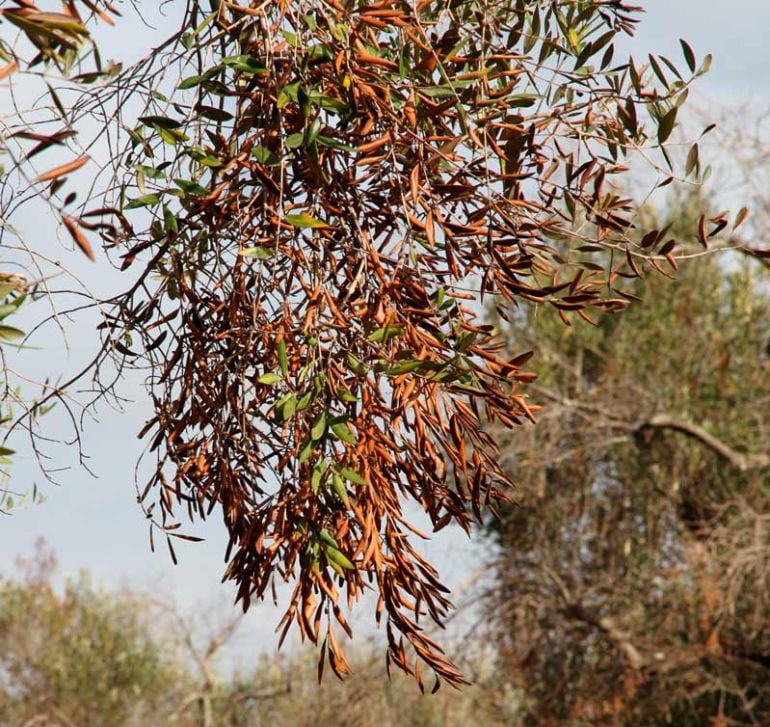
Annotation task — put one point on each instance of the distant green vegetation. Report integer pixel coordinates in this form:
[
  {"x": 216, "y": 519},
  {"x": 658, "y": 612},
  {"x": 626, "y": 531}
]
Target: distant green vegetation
[{"x": 78, "y": 655}]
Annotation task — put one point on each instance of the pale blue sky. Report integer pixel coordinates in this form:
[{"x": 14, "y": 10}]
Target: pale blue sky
[
  {"x": 96, "y": 523},
  {"x": 734, "y": 31}
]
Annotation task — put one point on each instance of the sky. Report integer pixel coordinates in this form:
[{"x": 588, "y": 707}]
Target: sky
[
  {"x": 733, "y": 31},
  {"x": 94, "y": 523}
]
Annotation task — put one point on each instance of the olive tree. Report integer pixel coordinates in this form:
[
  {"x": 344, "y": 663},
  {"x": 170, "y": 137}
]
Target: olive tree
[
  {"x": 75, "y": 655},
  {"x": 632, "y": 577}
]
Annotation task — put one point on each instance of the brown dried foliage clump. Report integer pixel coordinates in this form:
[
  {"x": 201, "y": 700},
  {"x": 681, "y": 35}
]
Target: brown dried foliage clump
[{"x": 335, "y": 189}]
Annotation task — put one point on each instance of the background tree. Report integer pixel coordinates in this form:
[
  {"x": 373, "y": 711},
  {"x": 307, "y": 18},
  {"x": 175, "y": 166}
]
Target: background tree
[
  {"x": 77, "y": 656},
  {"x": 73, "y": 653},
  {"x": 312, "y": 202},
  {"x": 632, "y": 582}
]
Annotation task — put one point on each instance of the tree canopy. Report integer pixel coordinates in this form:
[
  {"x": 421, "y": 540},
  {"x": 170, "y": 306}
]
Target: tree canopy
[
  {"x": 312, "y": 204},
  {"x": 631, "y": 584}
]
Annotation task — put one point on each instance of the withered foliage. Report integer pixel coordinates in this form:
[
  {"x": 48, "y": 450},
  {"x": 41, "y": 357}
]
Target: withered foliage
[{"x": 317, "y": 204}]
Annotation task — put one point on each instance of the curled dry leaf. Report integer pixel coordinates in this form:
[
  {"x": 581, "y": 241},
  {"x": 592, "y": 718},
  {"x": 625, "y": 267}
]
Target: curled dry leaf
[
  {"x": 8, "y": 69},
  {"x": 78, "y": 236},
  {"x": 63, "y": 169}
]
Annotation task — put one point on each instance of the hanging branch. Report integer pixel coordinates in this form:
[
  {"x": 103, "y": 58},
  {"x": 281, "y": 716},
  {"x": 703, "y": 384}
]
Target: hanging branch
[{"x": 314, "y": 209}]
